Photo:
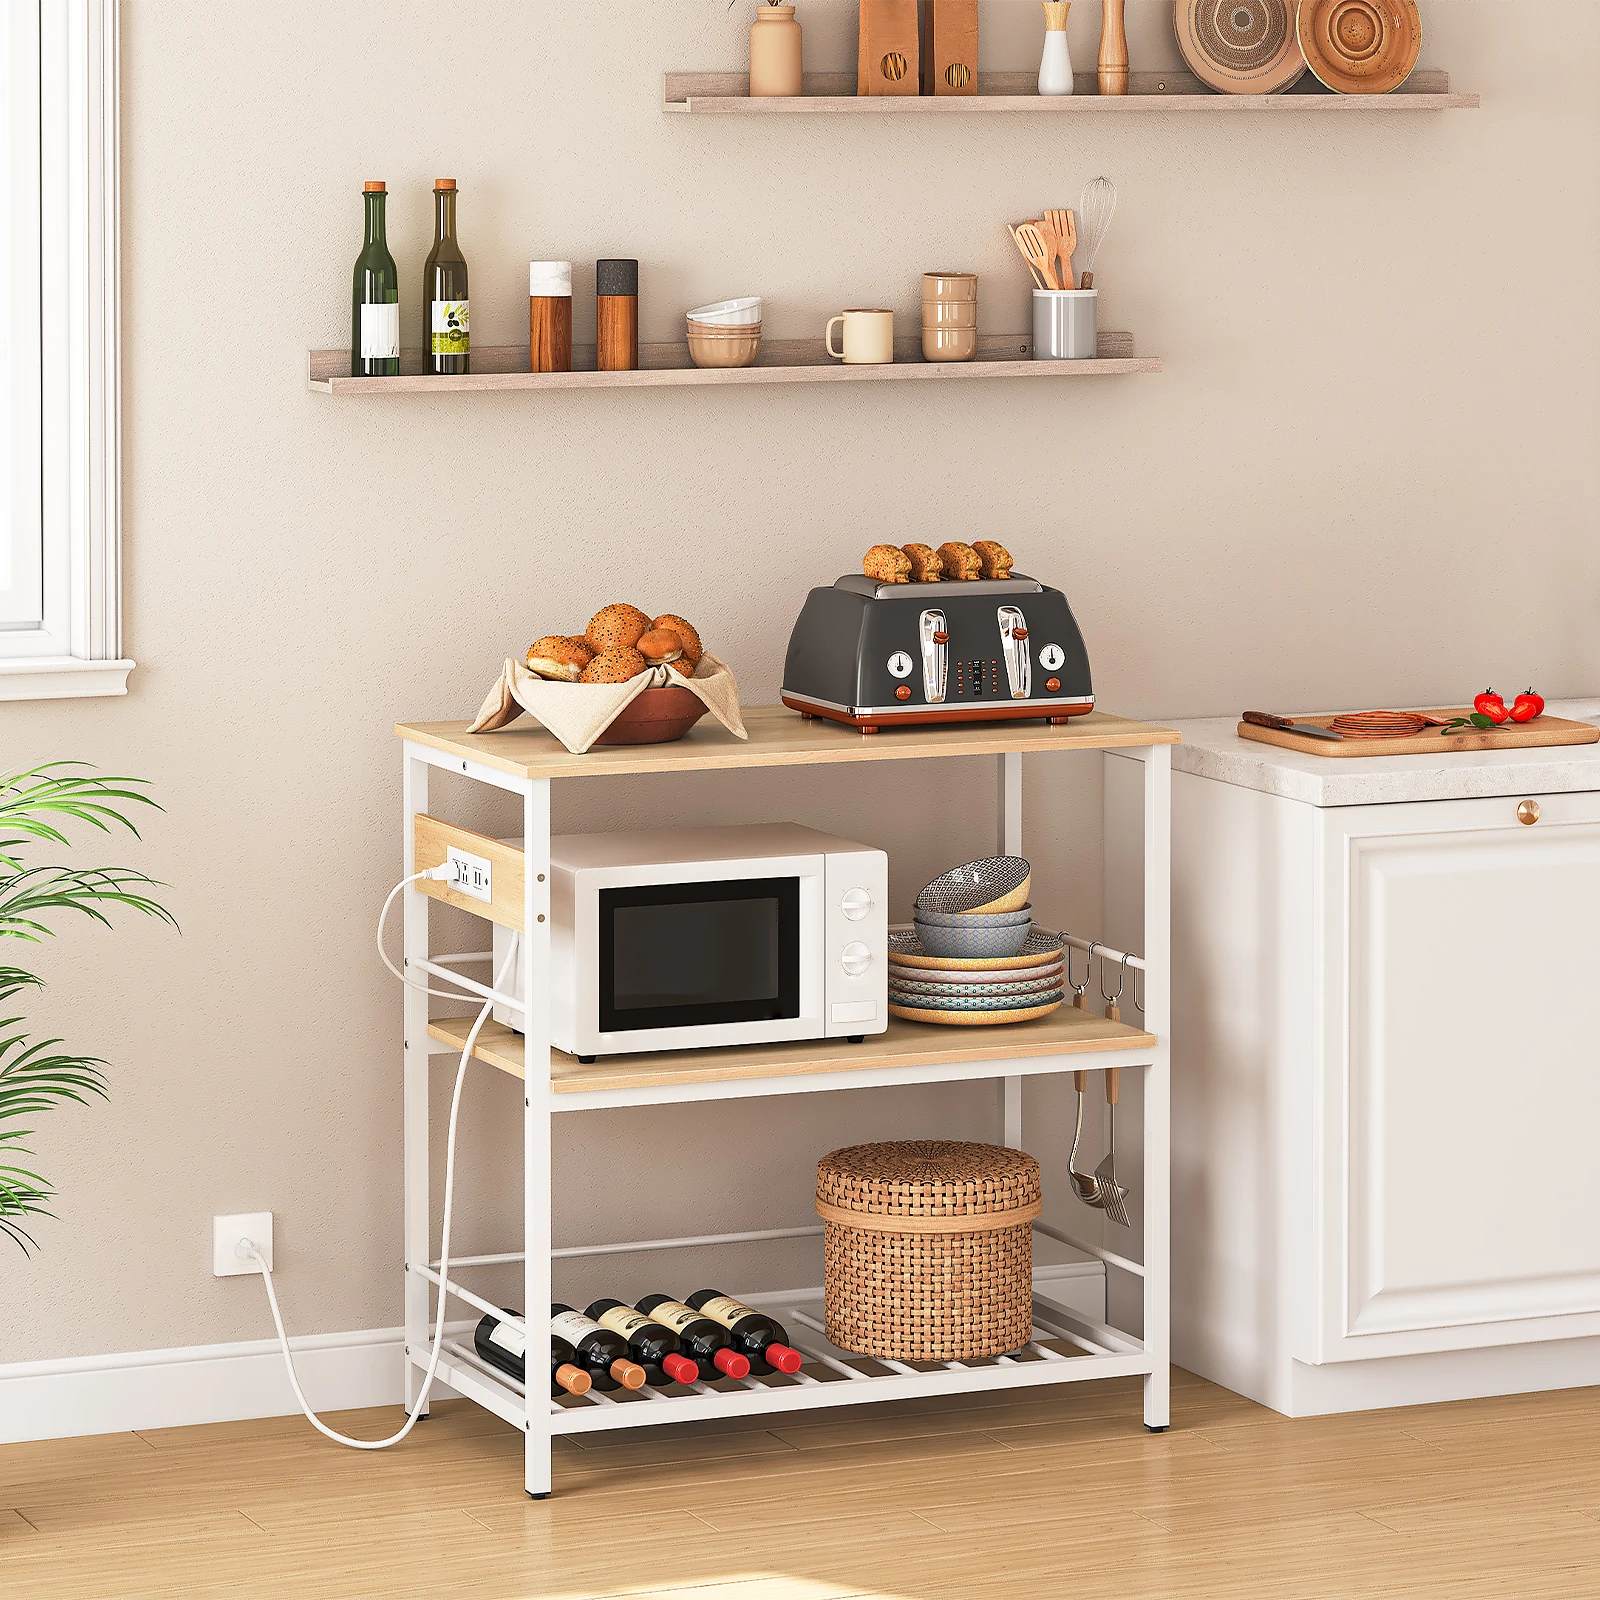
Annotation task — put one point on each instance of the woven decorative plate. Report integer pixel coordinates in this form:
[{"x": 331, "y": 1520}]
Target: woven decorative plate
[
  {"x": 998, "y": 884},
  {"x": 950, "y": 1018},
  {"x": 1021, "y": 978},
  {"x": 1240, "y": 46},
  {"x": 994, "y": 993},
  {"x": 1361, "y": 46},
  {"x": 1042, "y": 948}
]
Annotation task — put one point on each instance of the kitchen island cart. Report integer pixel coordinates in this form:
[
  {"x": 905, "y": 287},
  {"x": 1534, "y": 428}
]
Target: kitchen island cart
[{"x": 1066, "y": 1345}]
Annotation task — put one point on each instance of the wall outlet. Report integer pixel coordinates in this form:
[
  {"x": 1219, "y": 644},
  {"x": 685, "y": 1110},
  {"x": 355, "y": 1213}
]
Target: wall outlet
[
  {"x": 226, "y": 1232},
  {"x": 471, "y": 874}
]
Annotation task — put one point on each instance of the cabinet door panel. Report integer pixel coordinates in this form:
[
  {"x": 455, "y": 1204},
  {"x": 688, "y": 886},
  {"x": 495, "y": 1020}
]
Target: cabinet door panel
[{"x": 1459, "y": 1188}]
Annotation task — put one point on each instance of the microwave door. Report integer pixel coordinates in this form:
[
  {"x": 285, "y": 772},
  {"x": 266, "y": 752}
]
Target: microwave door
[{"x": 695, "y": 955}]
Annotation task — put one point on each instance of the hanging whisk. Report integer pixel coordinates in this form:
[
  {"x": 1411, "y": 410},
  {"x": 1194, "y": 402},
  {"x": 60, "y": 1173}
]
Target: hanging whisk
[{"x": 1096, "y": 207}]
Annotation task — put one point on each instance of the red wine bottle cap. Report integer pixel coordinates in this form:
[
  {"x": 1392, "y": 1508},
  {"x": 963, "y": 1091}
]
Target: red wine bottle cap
[
  {"x": 783, "y": 1358},
  {"x": 680, "y": 1367},
  {"x": 731, "y": 1363},
  {"x": 628, "y": 1373}
]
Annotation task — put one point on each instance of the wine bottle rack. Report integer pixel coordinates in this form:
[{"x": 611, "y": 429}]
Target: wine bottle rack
[{"x": 1068, "y": 1345}]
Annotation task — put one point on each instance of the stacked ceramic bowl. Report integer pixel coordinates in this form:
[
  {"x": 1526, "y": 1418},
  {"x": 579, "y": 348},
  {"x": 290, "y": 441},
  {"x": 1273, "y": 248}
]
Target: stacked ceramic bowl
[
  {"x": 726, "y": 333},
  {"x": 972, "y": 957}
]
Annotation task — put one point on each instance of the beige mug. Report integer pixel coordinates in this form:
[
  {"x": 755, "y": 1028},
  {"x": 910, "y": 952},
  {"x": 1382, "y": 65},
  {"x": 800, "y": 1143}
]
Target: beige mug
[
  {"x": 949, "y": 286},
  {"x": 868, "y": 338}
]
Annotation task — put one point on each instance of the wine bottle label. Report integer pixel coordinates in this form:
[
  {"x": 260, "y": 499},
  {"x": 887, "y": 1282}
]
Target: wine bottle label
[
  {"x": 726, "y": 1310},
  {"x": 675, "y": 1315},
  {"x": 573, "y": 1326},
  {"x": 625, "y": 1320},
  {"x": 514, "y": 1341},
  {"x": 450, "y": 335},
  {"x": 380, "y": 332}
]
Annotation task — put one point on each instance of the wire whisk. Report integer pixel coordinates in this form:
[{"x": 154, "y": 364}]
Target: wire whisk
[{"x": 1096, "y": 207}]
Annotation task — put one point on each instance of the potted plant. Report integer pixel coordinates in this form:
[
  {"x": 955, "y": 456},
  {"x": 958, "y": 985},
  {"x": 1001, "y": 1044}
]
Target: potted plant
[{"x": 35, "y": 1076}]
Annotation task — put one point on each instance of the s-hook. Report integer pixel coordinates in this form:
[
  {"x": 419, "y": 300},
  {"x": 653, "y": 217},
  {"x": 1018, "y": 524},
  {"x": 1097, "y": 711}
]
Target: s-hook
[
  {"x": 1079, "y": 989},
  {"x": 1113, "y": 1011}
]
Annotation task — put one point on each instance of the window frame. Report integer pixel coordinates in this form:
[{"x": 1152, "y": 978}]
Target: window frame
[{"x": 77, "y": 650}]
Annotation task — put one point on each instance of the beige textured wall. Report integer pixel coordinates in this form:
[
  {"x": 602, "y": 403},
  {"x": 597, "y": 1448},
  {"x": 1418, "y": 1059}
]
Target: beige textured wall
[{"x": 1366, "y": 475}]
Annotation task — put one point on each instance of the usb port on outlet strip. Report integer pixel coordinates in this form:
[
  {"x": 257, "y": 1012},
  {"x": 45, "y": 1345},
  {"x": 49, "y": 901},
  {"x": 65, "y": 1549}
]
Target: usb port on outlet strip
[{"x": 472, "y": 875}]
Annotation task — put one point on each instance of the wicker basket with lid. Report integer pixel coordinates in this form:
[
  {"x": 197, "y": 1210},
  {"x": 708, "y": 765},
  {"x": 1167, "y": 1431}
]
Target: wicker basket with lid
[{"x": 928, "y": 1248}]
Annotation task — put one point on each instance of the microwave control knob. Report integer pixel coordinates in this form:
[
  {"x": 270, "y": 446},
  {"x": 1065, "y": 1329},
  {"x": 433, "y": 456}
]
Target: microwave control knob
[
  {"x": 900, "y": 665},
  {"x": 1051, "y": 658},
  {"x": 855, "y": 904},
  {"x": 855, "y": 958}
]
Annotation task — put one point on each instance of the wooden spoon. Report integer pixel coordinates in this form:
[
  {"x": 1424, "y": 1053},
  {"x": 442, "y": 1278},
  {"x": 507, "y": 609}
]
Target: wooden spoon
[
  {"x": 1032, "y": 244},
  {"x": 1063, "y": 226},
  {"x": 1011, "y": 228}
]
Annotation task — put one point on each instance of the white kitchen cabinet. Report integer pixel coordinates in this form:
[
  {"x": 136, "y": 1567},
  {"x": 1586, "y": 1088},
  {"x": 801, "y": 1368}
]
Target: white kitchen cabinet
[{"x": 1386, "y": 1026}]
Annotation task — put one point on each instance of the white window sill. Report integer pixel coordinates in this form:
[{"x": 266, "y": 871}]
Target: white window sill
[{"x": 62, "y": 678}]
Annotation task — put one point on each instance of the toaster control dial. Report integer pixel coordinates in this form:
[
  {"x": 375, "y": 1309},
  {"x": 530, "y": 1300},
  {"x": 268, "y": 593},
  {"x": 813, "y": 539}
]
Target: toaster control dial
[
  {"x": 855, "y": 903},
  {"x": 855, "y": 958},
  {"x": 900, "y": 665},
  {"x": 1051, "y": 658}
]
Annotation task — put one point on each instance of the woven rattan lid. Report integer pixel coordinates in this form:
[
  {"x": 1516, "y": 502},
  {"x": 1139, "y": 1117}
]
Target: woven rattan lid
[{"x": 928, "y": 1178}]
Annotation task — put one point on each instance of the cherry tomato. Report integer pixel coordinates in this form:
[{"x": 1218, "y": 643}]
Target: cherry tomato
[
  {"x": 1527, "y": 706},
  {"x": 1490, "y": 705}
]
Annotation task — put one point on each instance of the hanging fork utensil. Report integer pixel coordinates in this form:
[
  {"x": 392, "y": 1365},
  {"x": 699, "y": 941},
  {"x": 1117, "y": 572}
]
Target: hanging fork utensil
[
  {"x": 1112, "y": 1195},
  {"x": 1083, "y": 1183}
]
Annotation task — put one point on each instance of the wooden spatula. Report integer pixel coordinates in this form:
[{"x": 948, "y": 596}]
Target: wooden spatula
[
  {"x": 1011, "y": 228},
  {"x": 1031, "y": 241},
  {"x": 1063, "y": 234}
]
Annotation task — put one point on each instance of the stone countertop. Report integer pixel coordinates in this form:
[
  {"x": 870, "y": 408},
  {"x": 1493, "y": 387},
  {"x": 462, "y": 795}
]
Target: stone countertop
[{"x": 1212, "y": 748}]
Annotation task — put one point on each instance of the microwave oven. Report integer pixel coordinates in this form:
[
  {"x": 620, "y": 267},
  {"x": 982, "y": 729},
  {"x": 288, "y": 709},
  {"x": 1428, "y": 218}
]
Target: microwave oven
[{"x": 687, "y": 938}]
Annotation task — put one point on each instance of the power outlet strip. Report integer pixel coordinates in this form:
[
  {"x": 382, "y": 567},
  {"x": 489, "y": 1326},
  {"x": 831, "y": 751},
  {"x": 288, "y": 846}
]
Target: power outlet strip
[{"x": 472, "y": 875}]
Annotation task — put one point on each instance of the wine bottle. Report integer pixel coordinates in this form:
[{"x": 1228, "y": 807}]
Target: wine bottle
[
  {"x": 652, "y": 1344},
  {"x": 446, "y": 333},
  {"x": 603, "y": 1353},
  {"x": 505, "y": 1347},
  {"x": 755, "y": 1334},
  {"x": 706, "y": 1343},
  {"x": 375, "y": 298}
]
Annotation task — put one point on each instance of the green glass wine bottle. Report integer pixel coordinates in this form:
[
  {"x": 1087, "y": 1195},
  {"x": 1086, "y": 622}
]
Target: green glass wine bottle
[
  {"x": 445, "y": 325},
  {"x": 375, "y": 298}
]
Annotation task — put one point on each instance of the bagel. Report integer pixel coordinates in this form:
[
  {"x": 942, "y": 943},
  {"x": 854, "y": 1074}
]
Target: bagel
[
  {"x": 559, "y": 657},
  {"x": 687, "y": 636},
  {"x": 614, "y": 627},
  {"x": 614, "y": 666}
]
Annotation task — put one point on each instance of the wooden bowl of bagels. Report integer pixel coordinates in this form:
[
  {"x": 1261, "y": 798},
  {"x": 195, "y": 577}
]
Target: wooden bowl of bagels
[{"x": 620, "y": 642}]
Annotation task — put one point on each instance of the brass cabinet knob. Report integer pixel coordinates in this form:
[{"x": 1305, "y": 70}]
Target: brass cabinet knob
[{"x": 1528, "y": 812}]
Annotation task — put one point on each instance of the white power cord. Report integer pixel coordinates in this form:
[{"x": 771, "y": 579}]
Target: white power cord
[
  {"x": 249, "y": 1250},
  {"x": 439, "y": 874}
]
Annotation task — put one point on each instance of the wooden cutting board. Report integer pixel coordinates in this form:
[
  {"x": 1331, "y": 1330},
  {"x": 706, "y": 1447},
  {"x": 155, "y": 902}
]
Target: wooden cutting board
[{"x": 1510, "y": 736}]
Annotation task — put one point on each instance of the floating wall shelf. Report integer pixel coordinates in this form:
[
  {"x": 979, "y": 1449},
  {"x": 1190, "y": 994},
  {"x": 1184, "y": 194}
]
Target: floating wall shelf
[
  {"x": 781, "y": 361},
  {"x": 833, "y": 94}
]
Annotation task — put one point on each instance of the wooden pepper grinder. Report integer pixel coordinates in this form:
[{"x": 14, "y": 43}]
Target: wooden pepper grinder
[
  {"x": 616, "y": 285},
  {"x": 1113, "y": 49}
]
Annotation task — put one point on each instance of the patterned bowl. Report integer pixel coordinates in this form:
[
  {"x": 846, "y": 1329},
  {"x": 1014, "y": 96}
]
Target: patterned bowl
[
  {"x": 1000, "y": 994},
  {"x": 998, "y": 884},
  {"x": 967, "y": 944},
  {"x": 1043, "y": 948},
  {"x": 972, "y": 919},
  {"x": 1005, "y": 976},
  {"x": 1045, "y": 997}
]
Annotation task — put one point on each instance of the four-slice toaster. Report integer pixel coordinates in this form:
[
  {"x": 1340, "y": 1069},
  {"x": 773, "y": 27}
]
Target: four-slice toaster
[{"x": 881, "y": 654}]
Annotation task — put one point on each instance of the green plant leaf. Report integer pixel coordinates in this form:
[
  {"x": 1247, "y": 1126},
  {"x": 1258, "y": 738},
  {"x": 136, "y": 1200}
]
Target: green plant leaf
[
  {"x": 31, "y": 800},
  {"x": 83, "y": 889}
]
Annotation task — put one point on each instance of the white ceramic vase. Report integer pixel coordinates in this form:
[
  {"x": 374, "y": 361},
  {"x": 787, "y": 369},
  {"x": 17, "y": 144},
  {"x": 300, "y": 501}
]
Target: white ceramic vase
[{"x": 1055, "y": 66}]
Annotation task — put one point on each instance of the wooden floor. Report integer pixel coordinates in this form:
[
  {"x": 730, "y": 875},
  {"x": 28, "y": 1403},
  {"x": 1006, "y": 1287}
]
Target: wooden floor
[{"x": 1039, "y": 1497}]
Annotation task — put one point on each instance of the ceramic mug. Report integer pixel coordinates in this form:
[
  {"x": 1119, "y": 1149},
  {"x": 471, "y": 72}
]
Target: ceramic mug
[
  {"x": 949, "y": 344},
  {"x": 949, "y": 286},
  {"x": 868, "y": 338},
  {"x": 949, "y": 313}
]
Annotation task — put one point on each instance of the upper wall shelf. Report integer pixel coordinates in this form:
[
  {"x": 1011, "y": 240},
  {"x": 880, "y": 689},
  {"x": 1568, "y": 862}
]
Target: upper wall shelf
[{"x": 834, "y": 94}]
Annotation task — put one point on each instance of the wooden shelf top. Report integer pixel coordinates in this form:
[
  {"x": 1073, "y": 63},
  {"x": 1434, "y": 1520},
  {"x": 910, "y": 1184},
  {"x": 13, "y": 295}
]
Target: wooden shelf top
[
  {"x": 834, "y": 94},
  {"x": 779, "y": 737},
  {"x": 505, "y": 367},
  {"x": 1066, "y": 1031}
]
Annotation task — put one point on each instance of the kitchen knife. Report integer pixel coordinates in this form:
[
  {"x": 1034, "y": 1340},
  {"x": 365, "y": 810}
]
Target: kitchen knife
[{"x": 1265, "y": 719}]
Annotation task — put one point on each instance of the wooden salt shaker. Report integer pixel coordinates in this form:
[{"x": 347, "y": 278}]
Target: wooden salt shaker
[
  {"x": 616, "y": 284},
  {"x": 1113, "y": 61},
  {"x": 549, "y": 316}
]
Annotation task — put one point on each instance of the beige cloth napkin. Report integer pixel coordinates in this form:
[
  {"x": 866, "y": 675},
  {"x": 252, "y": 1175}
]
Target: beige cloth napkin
[{"x": 578, "y": 713}]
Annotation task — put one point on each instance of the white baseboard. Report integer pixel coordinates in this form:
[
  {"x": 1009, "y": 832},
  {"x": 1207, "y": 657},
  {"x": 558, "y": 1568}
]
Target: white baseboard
[{"x": 232, "y": 1382}]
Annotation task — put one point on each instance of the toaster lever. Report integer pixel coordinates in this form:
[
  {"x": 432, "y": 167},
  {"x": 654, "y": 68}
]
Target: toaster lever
[
  {"x": 934, "y": 656},
  {"x": 1014, "y": 647}
]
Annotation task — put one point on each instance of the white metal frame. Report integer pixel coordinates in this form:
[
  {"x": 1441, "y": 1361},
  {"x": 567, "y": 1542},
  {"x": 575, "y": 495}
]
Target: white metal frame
[
  {"x": 828, "y": 1379},
  {"x": 76, "y": 648}
]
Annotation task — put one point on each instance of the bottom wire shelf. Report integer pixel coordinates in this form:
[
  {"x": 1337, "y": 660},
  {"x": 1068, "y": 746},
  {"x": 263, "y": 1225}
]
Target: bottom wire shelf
[{"x": 1067, "y": 1347}]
